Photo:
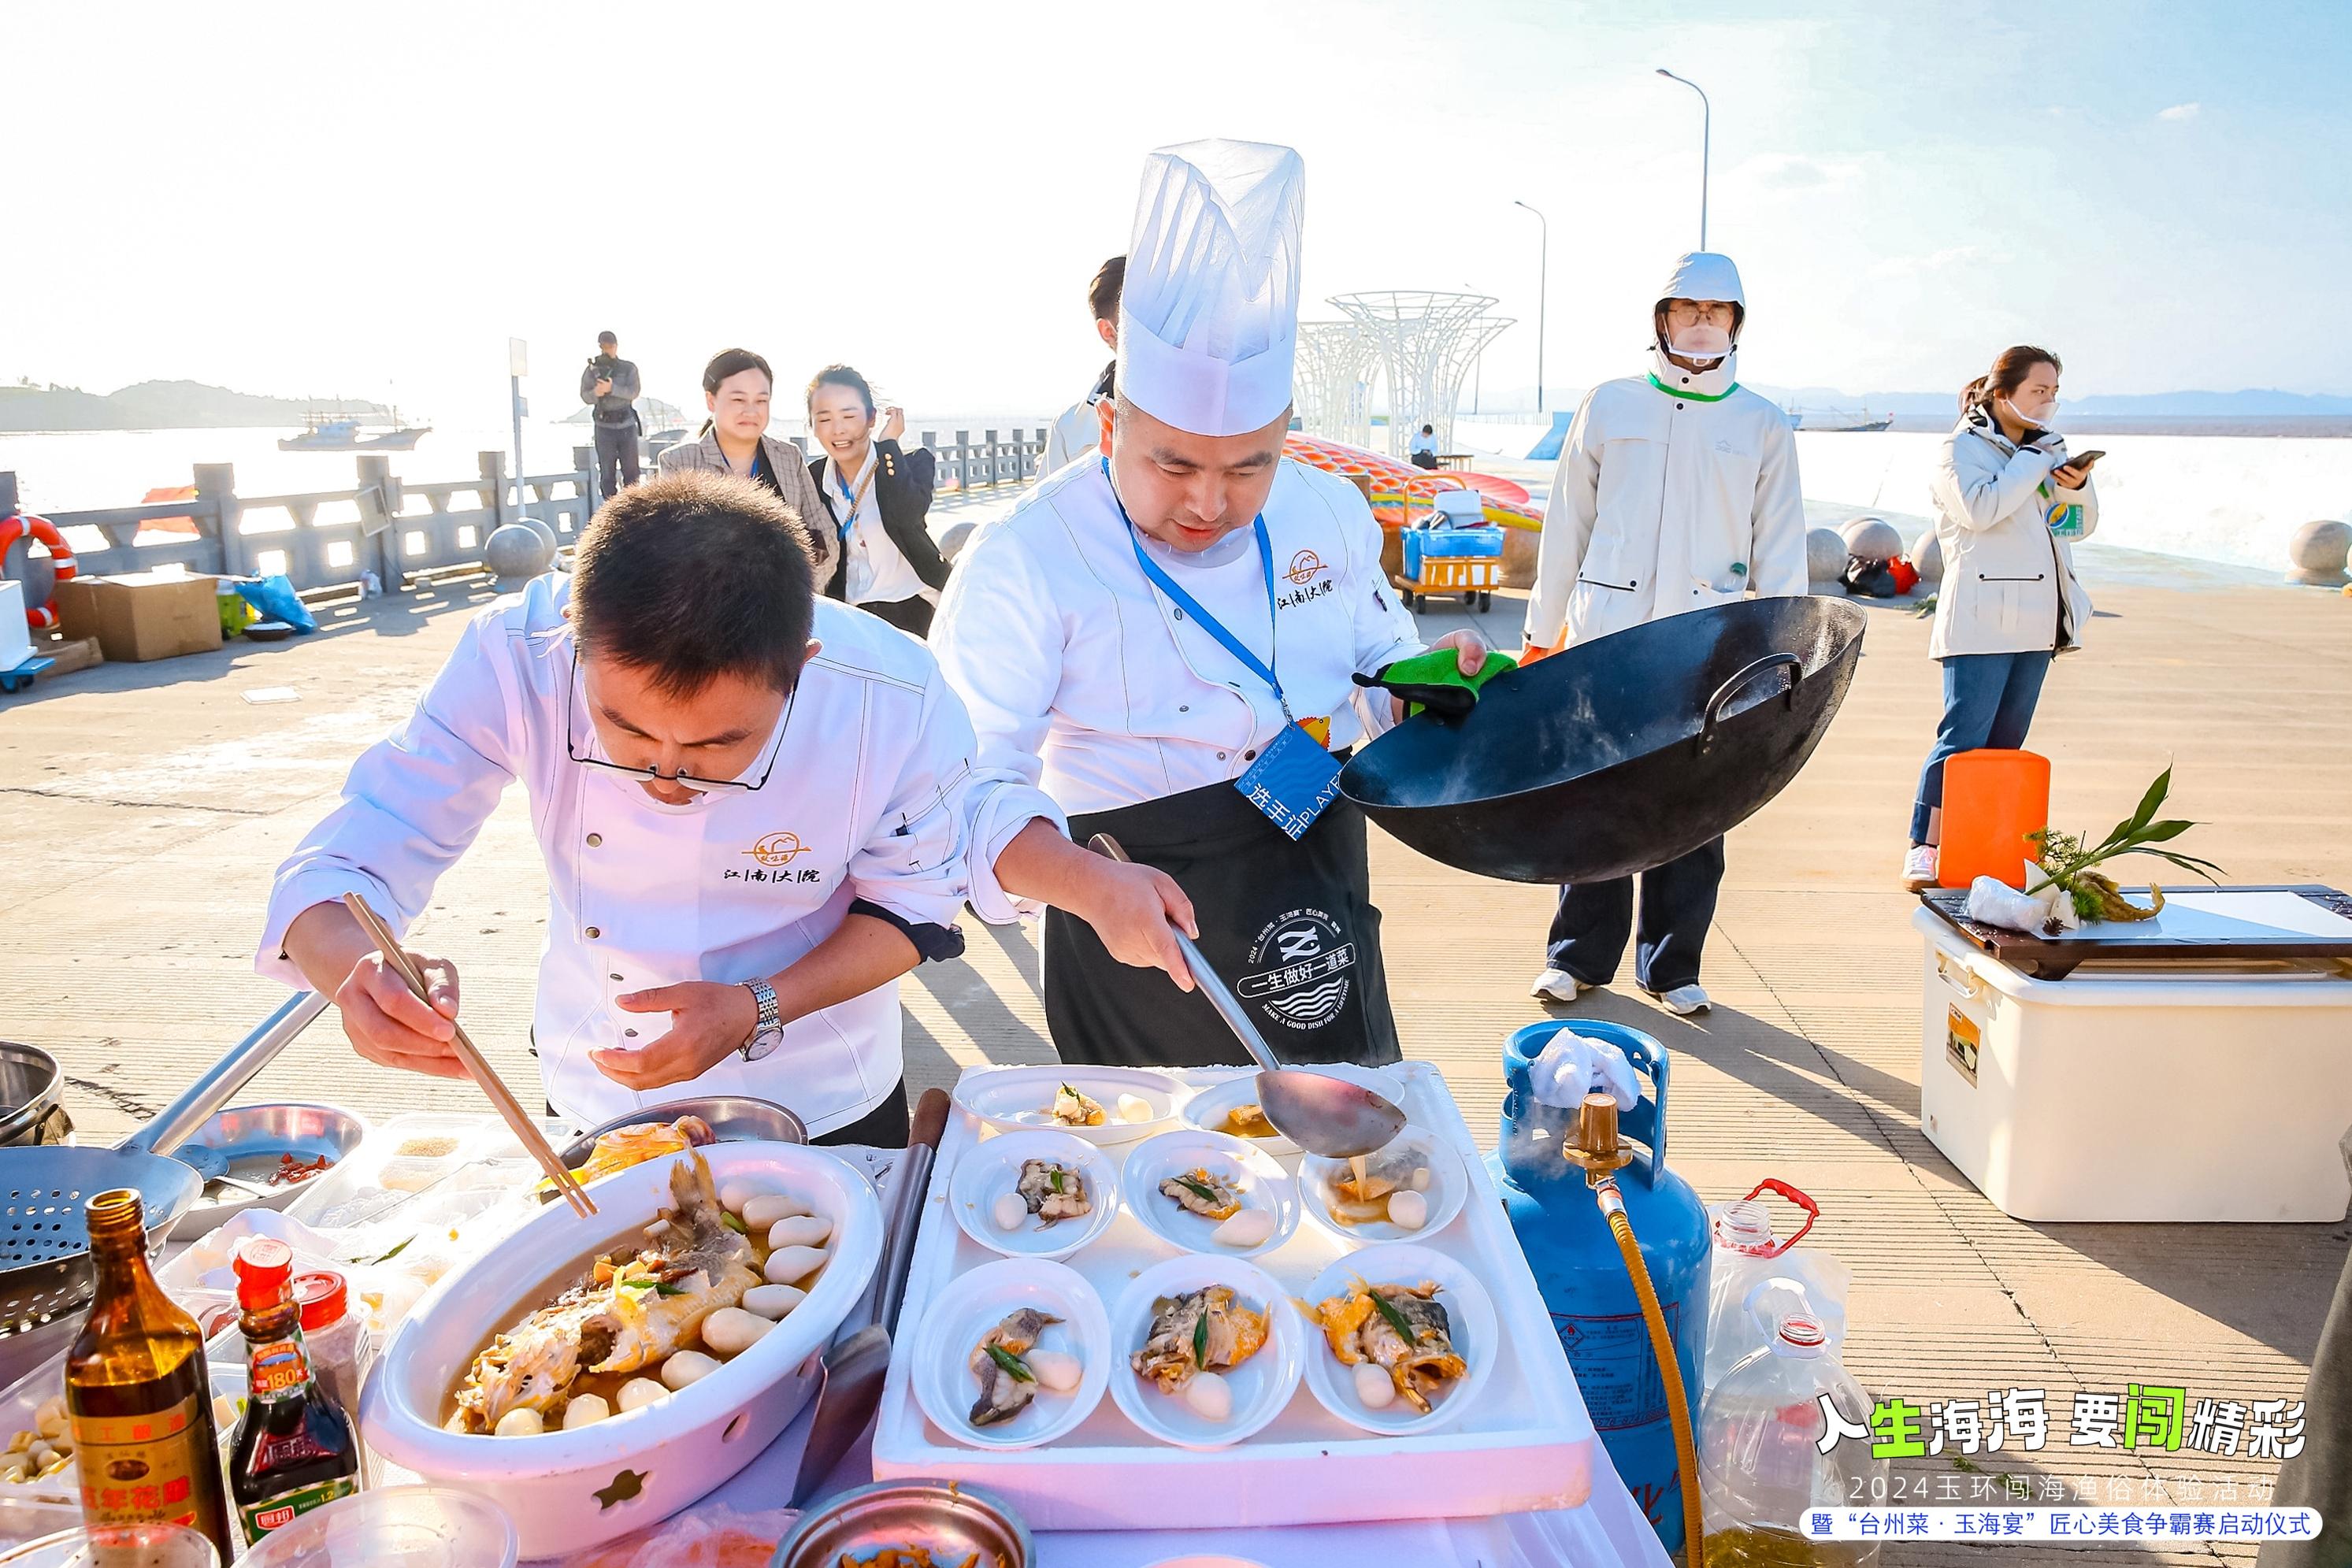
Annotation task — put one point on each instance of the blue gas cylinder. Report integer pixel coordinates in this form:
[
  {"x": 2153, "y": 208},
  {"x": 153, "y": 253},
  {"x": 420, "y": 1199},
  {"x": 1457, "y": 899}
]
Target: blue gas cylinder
[{"x": 1581, "y": 1274}]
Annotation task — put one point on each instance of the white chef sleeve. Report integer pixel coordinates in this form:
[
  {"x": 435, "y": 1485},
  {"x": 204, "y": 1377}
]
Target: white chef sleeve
[
  {"x": 914, "y": 868},
  {"x": 1777, "y": 529},
  {"x": 998, "y": 639},
  {"x": 1568, "y": 518},
  {"x": 1384, "y": 629},
  {"x": 414, "y": 801}
]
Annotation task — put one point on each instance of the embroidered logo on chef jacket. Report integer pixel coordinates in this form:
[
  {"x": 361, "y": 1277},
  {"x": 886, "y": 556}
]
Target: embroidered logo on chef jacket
[
  {"x": 1308, "y": 969},
  {"x": 778, "y": 849},
  {"x": 1304, "y": 567}
]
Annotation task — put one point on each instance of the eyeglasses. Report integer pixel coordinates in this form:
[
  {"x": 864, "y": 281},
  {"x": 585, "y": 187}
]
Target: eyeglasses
[{"x": 681, "y": 778}]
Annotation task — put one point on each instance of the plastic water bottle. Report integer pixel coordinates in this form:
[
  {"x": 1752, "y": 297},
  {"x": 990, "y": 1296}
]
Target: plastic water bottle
[
  {"x": 1760, "y": 1467},
  {"x": 1757, "y": 1279}
]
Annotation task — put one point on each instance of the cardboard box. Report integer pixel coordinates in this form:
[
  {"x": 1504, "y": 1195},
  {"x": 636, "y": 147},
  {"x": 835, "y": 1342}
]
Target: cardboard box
[{"x": 144, "y": 615}]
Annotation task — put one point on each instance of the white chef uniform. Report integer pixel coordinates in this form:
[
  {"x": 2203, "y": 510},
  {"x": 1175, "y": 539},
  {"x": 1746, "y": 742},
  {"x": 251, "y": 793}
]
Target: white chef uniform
[
  {"x": 1086, "y": 677},
  {"x": 1078, "y": 432},
  {"x": 866, "y": 803}
]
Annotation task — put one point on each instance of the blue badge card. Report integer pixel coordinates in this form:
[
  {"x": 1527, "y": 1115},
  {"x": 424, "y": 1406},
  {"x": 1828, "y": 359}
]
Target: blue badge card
[{"x": 1292, "y": 781}]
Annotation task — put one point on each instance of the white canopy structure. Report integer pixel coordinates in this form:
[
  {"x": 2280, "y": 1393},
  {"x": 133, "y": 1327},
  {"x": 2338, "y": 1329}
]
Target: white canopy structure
[
  {"x": 1337, "y": 361},
  {"x": 1427, "y": 342}
]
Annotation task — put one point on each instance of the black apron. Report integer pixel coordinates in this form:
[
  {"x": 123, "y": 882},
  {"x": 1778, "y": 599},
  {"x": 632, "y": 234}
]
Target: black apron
[{"x": 1290, "y": 927}]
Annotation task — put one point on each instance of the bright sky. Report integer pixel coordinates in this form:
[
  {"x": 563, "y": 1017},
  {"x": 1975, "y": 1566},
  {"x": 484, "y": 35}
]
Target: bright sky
[{"x": 313, "y": 198}]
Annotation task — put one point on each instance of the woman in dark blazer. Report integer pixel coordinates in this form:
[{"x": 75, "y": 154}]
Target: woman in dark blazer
[{"x": 879, "y": 497}]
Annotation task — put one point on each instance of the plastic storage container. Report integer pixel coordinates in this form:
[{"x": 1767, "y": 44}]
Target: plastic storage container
[
  {"x": 2175, "y": 1094},
  {"x": 1760, "y": 1464},
  {"x": 1991, "y": 800},
  {"x": 394, "y": 1527}
]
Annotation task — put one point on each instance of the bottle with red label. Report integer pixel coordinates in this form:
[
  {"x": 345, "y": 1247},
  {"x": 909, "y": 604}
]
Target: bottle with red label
[{"x": 294, "y": 1449}]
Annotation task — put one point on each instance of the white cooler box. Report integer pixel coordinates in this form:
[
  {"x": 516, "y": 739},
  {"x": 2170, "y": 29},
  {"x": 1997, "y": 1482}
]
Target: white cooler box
[{"x": 2159, "y": 1094}]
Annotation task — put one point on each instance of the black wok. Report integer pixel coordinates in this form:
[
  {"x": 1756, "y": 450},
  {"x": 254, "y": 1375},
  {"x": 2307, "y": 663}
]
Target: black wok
[{"x": 1621, "y": 753}]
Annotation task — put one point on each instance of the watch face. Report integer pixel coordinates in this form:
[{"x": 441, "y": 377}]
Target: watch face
[{"x": 763, "y": 1044}]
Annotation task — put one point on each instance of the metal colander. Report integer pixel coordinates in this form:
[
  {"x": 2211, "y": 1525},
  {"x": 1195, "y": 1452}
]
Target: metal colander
[{"x": 44, "y": 1240}]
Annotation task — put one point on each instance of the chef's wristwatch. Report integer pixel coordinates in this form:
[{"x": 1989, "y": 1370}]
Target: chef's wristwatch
[{"x": 769, "y": 1033}]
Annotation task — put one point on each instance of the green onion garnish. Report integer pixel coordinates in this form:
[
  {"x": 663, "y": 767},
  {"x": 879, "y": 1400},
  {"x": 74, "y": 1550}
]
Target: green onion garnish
[
  {"x": 1207, "y": 1195},
  {"x": 733, "y": 1224},
  {"x": 1396, "y": 1319},
  {"x": 1012, "y": 1364},
  {"x": 1201, "y": 1342},
  {"x": 1057, "y": 1178}
]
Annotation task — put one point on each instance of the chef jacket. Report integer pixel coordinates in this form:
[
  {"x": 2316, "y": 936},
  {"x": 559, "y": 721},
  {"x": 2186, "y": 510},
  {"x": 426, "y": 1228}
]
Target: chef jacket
[
  {"x": 1083, "y": 679},
  {"x": 866, "y": 807},
  {"x": 1675, "y": 491}
]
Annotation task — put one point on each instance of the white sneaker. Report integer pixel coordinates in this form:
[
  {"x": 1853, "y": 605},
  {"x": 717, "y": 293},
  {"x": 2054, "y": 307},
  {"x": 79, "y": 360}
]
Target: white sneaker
[
  {"x": 1558, "y": 985},
  {"x": 1919, "y": 868},
  {"x": 1685, "y": 1000}
]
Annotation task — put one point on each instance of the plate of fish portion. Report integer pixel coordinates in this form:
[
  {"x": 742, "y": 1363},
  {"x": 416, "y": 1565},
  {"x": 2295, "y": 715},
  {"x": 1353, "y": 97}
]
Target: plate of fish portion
[
  {"x": 1017, "y": 1355},
  {"x": 1208, "y": 1192},
  {"x": 1232, "y": 1108},
  {"x": 1406, "y": 1338},
  {"x": 1412, "y": 1187},
  {"x": 1034, "y": 1194},
  {"x": 1213, "y": 1351},
  {"x": 1099, "y": 1104}
]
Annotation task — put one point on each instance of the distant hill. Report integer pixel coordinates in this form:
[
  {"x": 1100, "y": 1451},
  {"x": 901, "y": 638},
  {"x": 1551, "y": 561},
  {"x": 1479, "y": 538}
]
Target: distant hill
[{"x": 161, "y": 405}]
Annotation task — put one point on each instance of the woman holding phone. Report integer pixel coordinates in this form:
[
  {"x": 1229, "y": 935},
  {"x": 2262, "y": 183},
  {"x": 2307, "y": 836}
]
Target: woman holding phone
[
  {"x": 877, "y": 497},
  {"x": 2007, "y": 500}
]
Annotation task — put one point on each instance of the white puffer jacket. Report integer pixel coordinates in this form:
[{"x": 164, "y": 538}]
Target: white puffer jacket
[{"x": 2008, "y": 583}]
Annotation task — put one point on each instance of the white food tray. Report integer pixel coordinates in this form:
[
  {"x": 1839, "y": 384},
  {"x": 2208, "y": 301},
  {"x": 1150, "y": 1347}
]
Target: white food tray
[{"x": 1527, "y": 1445}]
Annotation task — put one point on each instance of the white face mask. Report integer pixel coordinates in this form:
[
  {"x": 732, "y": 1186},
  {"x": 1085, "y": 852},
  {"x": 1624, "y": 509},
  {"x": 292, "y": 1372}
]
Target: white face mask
[
  {"x": 2039, "y": 418},
  {"x": 1702, "y": 342}
]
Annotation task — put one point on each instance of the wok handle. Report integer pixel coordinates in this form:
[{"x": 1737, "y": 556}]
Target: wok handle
[
  {"x": 1723, "y": 694},
  {"x": 174, "y": 1122},
  {"x": 1212, "y": 986}
]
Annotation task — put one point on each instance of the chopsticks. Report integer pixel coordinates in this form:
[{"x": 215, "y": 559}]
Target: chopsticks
[{"x": 492, "y": 1085}]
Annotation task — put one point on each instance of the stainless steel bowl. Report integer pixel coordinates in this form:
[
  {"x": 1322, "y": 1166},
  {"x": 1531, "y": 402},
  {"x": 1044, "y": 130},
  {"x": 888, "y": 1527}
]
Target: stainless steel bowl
[
  {"x": 251, "y": 1138},
  {"x": 736, "y": 1118},
  {"x": 952, "y": 1522},
  {"x": 31, "y": 1092}
]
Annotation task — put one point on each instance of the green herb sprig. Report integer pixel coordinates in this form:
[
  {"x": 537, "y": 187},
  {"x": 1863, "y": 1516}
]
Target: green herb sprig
[
  {"x": 1012, "y": 1364},
  {"x": 2064, "y": 858},
  {"x": 1397, "y": 1320}
]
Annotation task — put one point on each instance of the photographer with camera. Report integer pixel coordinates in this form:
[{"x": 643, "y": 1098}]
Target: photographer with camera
[{"x": 610, "y": 384}]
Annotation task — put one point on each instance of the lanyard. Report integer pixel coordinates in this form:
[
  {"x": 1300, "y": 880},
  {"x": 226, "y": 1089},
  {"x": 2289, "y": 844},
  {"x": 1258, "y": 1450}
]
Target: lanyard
[
  {"x": 854, "y": 500},
  {"x": 1191, "y": 606}
]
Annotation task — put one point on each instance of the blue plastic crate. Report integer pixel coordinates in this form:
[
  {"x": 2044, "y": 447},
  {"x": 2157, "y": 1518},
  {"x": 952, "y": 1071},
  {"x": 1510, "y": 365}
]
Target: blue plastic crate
[{"x": 1450, "y": 544}]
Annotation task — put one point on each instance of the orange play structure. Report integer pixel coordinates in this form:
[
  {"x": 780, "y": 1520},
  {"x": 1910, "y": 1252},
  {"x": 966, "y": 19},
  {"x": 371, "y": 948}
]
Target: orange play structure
[{"x": 1400, "y": 492}]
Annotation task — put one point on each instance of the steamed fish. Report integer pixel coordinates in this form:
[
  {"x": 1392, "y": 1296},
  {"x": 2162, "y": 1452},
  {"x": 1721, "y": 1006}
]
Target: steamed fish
[
  {"x": 1052, "y": 1191},
  {"x": 1198, "y": 1192},
  {"x": 1402, "y": 1329},
  {"x": 1201, "y": 1331},
  {"x": 636, "y": 1144},
  {"x": 1006, "y": 1383},
  {"x": 637, "y": 1306},
  {"x": 1073, "y": 1108}
]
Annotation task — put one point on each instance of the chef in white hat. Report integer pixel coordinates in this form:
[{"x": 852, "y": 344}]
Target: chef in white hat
[
  {"x": 1169, "y": 640},
  {"x": 1676, "y": 490}
]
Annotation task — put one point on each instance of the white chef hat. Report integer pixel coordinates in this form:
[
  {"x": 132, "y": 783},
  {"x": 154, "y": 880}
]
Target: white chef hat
[{"x": 1208, "y": 317}]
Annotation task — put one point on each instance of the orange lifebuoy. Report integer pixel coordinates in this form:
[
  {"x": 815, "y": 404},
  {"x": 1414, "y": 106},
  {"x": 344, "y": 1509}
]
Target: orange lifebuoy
[{"x": 43, "y": 616}]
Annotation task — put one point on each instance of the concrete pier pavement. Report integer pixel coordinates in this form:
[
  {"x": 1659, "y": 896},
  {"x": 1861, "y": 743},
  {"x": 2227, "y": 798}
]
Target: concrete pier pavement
[{"x": 148, "y": 805}]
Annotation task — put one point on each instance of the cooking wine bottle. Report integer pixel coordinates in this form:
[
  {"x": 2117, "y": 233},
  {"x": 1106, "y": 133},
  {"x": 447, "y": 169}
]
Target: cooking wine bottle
[
  {"x": 137, "y": 1397},
  {"x": 294, "y": 1448}
]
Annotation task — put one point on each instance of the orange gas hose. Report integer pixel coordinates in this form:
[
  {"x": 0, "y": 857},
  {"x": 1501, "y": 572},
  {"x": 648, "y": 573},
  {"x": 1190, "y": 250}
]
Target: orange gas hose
[{"x": 1613, "y": 1205}]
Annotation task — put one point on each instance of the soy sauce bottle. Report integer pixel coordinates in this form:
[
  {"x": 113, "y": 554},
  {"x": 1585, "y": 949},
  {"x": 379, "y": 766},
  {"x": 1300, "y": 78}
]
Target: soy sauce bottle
[
  {"x": 138, "y": 1398},
  {"x": 294, "y": 1448}
]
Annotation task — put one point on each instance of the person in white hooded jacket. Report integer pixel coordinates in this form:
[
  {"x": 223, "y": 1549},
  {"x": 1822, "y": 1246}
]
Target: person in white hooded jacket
[
  {"x": 2007, "y": 500},
  {"x": 1676, "y": 491}
]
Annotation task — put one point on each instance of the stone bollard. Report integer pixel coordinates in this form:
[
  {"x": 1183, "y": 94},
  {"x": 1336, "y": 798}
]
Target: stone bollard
[
  {"x": 2318, "y": 551},
  {"x": 518, "y": 551},
  {"x": 1928, "y": 555},
  {"x": 1871, "y": 539},
  {"x": 1826, "y": 560}
]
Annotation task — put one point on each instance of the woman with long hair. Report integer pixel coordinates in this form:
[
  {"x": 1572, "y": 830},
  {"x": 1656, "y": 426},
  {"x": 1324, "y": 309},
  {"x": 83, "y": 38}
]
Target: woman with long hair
[
  {"x": 737, "y": 388},
  {"x": 877, "y": 496},
  {"x": 2007, "y": 500}
]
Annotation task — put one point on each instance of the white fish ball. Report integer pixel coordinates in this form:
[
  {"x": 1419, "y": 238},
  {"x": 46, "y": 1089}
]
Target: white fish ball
[
  {"x": 772, "y": 1301},
  {"x": 1134, "y": 1108},
  {"x": 523, "y": 1421},
  {"x": 791, "y": 1265},
  {"x": 686, "y": 1366},
  {"x": 1375, "y": 1390},
  {"x": 1421, "y": 1178},
  {"x": 763, "y": 1209},
  {"x": 730, "y": 1330},
  {"x": 1210, "y": 1396},
  {"x": 1250, "y": 1228},
  {"x": 800, "y": 1230},
  {"x": 585, "y": 1411},
  {"x": 1056, "y": 1369},
  {"x": 1408, "y": 1208},
  {"x": 639, "y": 1392},
  {"x": 1008, "y": 1211}
]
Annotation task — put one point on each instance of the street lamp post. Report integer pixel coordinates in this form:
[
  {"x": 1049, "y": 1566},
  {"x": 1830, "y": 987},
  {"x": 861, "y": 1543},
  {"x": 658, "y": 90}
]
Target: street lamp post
[
  {"x": 1706, "y": 134},
  {"x": 1543, "y": 294}
]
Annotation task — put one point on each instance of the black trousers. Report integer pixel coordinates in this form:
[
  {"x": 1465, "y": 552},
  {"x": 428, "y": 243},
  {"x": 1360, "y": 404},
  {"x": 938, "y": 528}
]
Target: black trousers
[
  {"x": 1426, "y": 460},
  {"x": 912, "y": 616},
  {"x": 616, "y": 459},
  {"x": 1588, "y": 929}
]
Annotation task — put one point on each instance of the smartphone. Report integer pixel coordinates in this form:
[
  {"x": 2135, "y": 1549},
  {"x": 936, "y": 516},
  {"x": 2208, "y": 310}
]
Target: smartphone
[{"x": 2081, "y": 460}]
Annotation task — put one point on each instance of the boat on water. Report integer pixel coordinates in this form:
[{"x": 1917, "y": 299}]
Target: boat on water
[{"x": 341, "y": 433}]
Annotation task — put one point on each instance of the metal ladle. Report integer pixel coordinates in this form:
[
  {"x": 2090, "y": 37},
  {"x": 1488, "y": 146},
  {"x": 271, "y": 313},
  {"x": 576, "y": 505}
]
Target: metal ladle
[{"x": 1324, "y": 1115}]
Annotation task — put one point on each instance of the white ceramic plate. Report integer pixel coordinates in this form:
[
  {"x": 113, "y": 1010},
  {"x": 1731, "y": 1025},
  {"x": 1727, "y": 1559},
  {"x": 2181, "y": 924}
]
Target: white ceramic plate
[
  {"x": 1013, "y": 1097},
  {"x": 944, "y": 1385},
  {"x": 992, "y": 1169},
  {"x": 1206, "y": 1111},
  {"x": 1262, "y": 1183},
  {"x": 1470, "y": 1314},
  {"x": 1449, "y": 1185},
  {"x": 1262, "y": 1385}
]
